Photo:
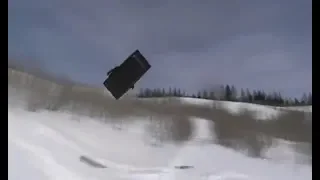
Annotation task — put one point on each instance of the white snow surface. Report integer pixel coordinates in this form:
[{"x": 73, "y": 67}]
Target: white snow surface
[{"x": 47, "y": 145}]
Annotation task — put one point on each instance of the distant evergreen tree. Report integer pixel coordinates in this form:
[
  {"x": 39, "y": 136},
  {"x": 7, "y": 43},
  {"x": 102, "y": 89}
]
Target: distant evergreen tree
[
  {"x": 163, "y": 92},
  {"x": 234, "y": 93},
  {"x": 249, "y": 96},
  {"x": 212, "y": 95},
  {"x": 170, "y": 93},
  {"x": 205, "y": 94},
  {"x": 304, "y": 99},
  {"x": 199, "y": 94},
  {"x": 184, "y": 94},
  {"x": 309, "y": 99},
  {"x": 243, "y": 97},
  {"x": 179, "y": 94},
  {"x": 228, "y": 93}
]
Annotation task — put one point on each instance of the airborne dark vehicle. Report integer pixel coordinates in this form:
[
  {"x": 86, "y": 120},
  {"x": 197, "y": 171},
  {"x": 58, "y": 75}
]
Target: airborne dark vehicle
[{"x": 123, "y": 77}]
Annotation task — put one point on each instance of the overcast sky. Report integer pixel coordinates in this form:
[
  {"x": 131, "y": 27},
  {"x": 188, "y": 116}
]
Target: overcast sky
[{"x": 256, "y": 44}]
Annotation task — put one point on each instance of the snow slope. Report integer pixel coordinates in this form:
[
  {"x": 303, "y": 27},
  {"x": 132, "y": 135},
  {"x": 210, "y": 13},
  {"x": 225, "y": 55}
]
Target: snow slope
[
  {"x": 48, "y": 145},
  {"x": 236, "y": 106},
  {"x": 261, "y": 111}
]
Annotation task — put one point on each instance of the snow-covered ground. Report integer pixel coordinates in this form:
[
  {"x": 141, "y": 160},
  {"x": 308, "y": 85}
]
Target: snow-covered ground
[
  {"x": 48, "y": 145},
  {"x": 261, "y": 111}
]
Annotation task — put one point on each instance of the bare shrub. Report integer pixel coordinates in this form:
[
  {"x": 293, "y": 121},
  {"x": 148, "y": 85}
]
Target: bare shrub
[
  {"x": 294, "y": 126},
  {"x": 61, "y": 100},
  {"x": 239, "y": 131},
  {"x": 290, "y": 126},
  {"x": 155, "y": 132},
  {"x": 243, "y": 130},
  {"x": 169, "y": 129},
  {"x": 180, "y": 128},
  {"x": 303, "y": 152},
  {"x": 39, "y": 95},
  {"x": 40, "y": 89}
]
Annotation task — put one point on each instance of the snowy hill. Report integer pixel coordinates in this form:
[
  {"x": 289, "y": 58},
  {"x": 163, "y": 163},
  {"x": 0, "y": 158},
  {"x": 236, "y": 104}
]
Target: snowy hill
[
  {"x": 261, "y": 111},
  {"x": 65, "y": 145},
  {"x": 47, "y": 145}
]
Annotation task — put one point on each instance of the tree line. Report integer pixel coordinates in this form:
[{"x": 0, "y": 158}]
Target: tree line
[{"x": 230, "y": 93}]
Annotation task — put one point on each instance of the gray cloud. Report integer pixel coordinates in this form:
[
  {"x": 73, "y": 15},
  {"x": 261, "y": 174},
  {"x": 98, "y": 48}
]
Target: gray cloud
[{"x": 254, "y": 44}]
